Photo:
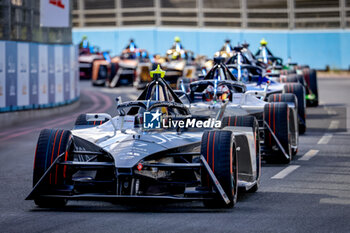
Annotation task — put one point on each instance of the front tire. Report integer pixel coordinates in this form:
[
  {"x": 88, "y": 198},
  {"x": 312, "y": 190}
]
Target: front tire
[
  {"x": 51, "y": 144},
  {"x": 218, "y": 147}
]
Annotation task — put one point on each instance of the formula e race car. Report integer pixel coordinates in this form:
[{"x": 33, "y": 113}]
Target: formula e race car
[
  {"x": 290, "y": 71},
  {"x": 177, "y": 63},
  {"x": 253, "y": 74},
  {"x": 220, "y": 94},
  {"x": 132, "y": 65},
  {"x": 137, "y": 155},
  {"x": 87, "y": 56},
  {"x": 226, "y": 51}
]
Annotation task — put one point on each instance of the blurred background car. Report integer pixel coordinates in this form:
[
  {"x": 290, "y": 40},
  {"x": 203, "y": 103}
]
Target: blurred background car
[{"x": 129, "y": 68}]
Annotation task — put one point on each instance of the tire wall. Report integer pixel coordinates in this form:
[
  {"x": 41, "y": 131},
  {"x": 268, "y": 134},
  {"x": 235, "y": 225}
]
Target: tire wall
[{"x": 34, "y": 75}]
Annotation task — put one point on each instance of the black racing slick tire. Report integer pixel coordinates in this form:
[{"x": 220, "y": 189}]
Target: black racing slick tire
[
  {"x": 299, "y": 91},
  {"x": 287, "y": 72},
  {"x": 287, "y": 98},
  {"x": 248, "y": 121},
  {"x": 51, "y": 144},
  {"x": 288, "y": 79},
  {"x": 82, "y": 122},
  {"x": 276, "y": 115},
  {"x": 293, "y": 78},
  {"x": 314, "y": 88},
  {"x": 219, "y": 150},
  {"x": 300, "y": 79}
]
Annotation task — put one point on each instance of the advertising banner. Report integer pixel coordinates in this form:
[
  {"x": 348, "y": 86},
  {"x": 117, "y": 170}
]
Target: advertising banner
[
  {"x": 11, "y": 74},
  {"x": 43, "y": 75},
  {"x": 51, "y": 82},
  {"x": 54, "y": 13},
  {"x": 59, "y": 74},
  {"x": 33, "y": 74},
  {"x": 22, "y": 74},
  {"x": 66, "y": 72},
  {"x": 77, "y": 78},
  {"x": 2, "y": 74}
]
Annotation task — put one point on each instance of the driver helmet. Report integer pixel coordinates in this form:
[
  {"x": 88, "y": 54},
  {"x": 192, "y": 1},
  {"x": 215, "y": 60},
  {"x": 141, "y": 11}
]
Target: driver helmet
[
  {"x": 224, "y": 92},
  {"x": 209, "y": 93}
]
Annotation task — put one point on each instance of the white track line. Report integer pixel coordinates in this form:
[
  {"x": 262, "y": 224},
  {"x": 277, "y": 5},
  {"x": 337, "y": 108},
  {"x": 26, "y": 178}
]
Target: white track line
[
  {"x": 327, "y": 136},
  {"x": 308, "y": 155},
  {"x": 334, "y": 125},
  {"x": 336, "y": 200},
  {"x": 325, "y": 139},
  {"x": 285, "y": 172},
  {"x": 330, "y": 111}
]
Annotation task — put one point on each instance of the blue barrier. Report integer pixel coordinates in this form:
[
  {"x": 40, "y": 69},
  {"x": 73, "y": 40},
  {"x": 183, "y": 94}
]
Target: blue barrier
[
  {"x": 36, "y": 75},
  {"x": 318, "y": 48}
]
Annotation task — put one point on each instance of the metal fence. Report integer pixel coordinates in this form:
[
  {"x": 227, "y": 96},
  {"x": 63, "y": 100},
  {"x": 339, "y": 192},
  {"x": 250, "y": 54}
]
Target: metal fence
[
  {"x": 20, "y": 21},
  {"x": 288, "y": 14}
]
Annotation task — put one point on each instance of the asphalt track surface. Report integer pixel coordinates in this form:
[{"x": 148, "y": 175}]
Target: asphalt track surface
[{"x": 312, "y": 194}]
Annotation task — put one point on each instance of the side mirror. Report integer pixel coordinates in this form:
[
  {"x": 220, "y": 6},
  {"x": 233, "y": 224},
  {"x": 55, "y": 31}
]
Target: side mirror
[
  {"x": 98, "y": 116},
  {"x": 101, "y": 117}
]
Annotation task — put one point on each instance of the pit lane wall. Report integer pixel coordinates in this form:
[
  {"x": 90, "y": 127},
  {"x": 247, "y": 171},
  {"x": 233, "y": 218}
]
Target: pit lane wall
[
  {"x": 317, "y": 48},
  {"x": 34, "y": 75}
]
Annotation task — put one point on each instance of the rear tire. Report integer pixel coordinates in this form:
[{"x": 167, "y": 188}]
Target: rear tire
[
  {"x": 288, "y": 79},
  {"x": 276, "y": 115},
  {"x": 300, "y": 79},
  {"x": 299, "y": 91},
  {"x": 248, "y": 121},
  {"x": 218, "y": 147},
  {"x": 286, "y": 98},
  {"x": 314, "y": 88},
  {"x": 51, "y": 144}
]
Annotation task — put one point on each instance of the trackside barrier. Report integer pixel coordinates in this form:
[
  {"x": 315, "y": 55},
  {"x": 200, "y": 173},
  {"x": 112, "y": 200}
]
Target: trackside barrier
[{"x": 34, "y": 75}]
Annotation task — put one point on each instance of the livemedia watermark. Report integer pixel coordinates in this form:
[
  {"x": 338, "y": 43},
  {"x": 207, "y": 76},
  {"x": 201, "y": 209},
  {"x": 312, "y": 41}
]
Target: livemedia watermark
[{"x": 154, "y": 120}]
